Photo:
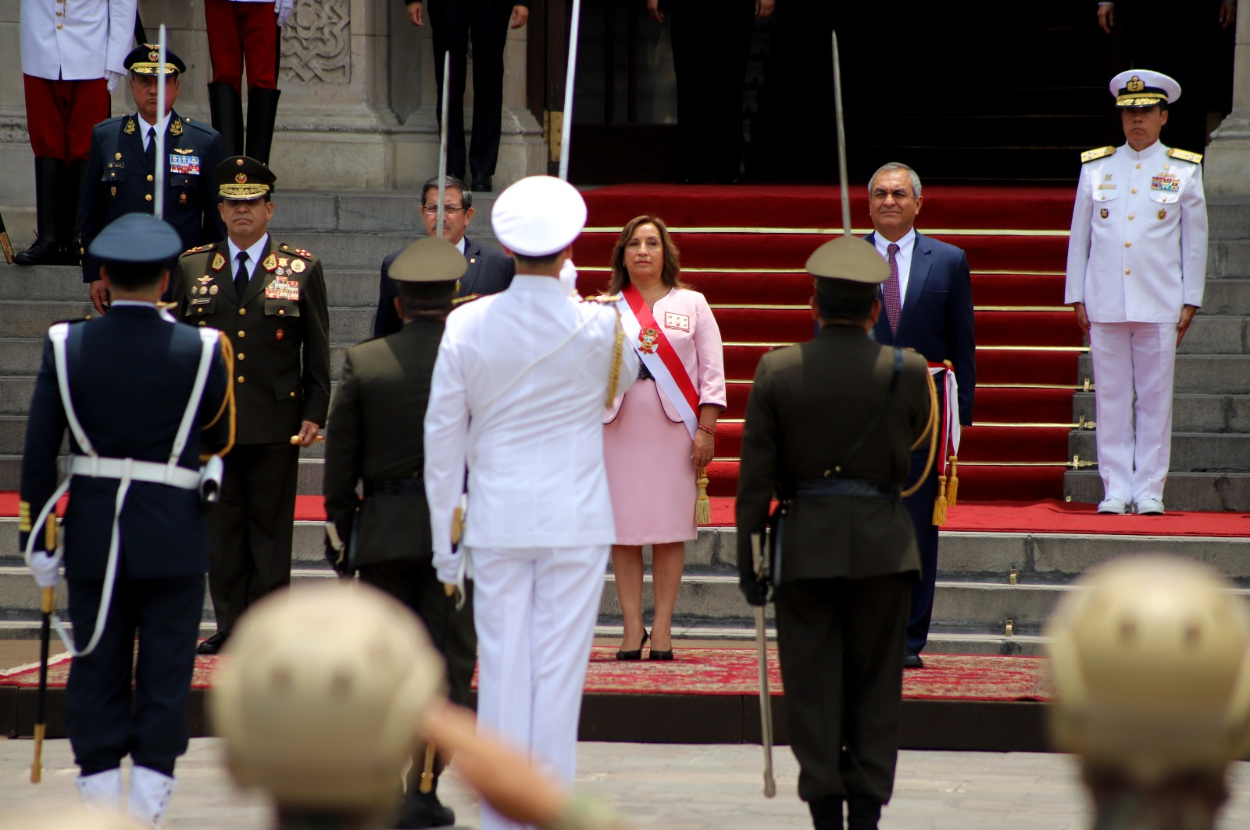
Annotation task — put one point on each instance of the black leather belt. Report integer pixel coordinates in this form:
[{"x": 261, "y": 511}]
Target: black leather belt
[
  {"x": 813, "y": 487},
  {"x": 394, "y": 486}
]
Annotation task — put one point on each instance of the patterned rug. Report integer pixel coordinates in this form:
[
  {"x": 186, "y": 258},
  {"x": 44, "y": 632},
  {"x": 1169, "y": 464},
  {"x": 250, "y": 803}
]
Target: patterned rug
[{"x": 725, "y": 671}]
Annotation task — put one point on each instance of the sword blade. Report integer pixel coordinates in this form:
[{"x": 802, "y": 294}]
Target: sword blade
[
  {"x": 442, "y": 144},
  {"x": 766, "y": 703},
  {"x": 570, "y": 80},
  {"x": 158, "y": 201},
  {"x": 837, "y": 105}
]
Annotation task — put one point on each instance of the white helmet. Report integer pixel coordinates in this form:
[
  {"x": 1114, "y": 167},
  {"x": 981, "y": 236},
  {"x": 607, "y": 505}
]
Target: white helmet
[
  {"x": 1151, "y": 661},
  {"x": 319, "y": 696}
]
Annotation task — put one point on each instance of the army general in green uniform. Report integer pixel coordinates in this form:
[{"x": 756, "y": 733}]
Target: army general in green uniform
[
  {"x": 270, "y": 300},
  {"x": 378, "y": 441},
  {"x": 830, "y": 426}
]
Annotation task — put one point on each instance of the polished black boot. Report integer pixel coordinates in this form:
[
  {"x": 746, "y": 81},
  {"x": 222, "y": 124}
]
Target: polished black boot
[
  {"x": 424, "y": 810},
  {"x": 67, "y": 212},
  {"x": 826, "y": 813},
  {"x": 862, "y": 813},
  {"x": 225, "y": 107},
  {"x": 262, "y": 112},
  {"x": 49, "y": 174}
]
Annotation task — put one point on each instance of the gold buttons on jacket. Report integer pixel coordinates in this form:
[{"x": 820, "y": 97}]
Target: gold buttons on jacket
[
  {"x": 1127, "y": 271},
  {"x": 150, "y": 177},
  {"x": 203, "y": 322},
  {"x": 242, "y": 333},
  {"x": 292, "y": 394},
  {"x": 243, "y": 311},
  {"x": 1139, "y": 167},
  {"x": 147, "y": 198},
  {"x": 1128, "y": 244},
  {"x": 241, "y": 356},
  {"x": 240, "y": 379},
  {"x": 282, "y": 312},
  {"x": 1130, "y": 216},
  {"x": 1134, "y": 190}
]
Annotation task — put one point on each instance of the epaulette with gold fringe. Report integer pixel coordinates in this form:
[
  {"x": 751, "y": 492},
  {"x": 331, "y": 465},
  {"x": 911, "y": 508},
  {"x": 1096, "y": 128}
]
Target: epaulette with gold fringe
[
  {"x": 1096, "y": 153},
  {"x": 603, "y": 299},
  {"x": 200, "y": 249},
  {"x": 1185, "y": 155}
]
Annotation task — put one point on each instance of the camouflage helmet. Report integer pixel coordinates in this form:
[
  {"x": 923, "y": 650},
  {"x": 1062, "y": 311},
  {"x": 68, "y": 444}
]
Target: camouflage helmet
[
  {"x": 319, "y": 695},
  {"x": 67, "y": 818},
  {"x": 1151, "y": 661}
]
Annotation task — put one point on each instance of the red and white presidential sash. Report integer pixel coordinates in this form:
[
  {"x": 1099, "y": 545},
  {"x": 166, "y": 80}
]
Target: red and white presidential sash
[
  {"x": 659, "y": 356},
  {"x": 948, "y": 440}
]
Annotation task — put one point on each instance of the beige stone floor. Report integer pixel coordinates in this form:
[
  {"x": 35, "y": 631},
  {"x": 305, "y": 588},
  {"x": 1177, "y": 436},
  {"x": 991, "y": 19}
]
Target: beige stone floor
[{"x": 677, "y": 787}]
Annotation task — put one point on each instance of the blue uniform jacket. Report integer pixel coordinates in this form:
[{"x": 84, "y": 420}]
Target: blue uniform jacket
[
  {"x": 937, "y": 316},
  {"x": 120, "y": 181},
  {"x": 131, "y": 374}
]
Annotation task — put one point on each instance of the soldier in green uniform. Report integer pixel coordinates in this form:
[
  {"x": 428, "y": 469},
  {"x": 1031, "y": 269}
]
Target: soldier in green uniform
[
  {"x": 830, "y": 426},
  {"x": 378, "y": 409},
  {"x": 270, "y": 300}
]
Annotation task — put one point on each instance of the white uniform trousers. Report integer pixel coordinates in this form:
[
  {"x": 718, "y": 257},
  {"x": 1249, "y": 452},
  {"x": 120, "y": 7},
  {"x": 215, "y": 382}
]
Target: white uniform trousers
[
  {"x": 1127, "y": 357},
  {"x": 535, "y": 610}
]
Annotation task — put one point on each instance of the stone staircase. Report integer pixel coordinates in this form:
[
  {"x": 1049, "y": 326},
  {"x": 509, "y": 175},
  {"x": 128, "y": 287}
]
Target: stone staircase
[
  {"x": 1211, "y": 403},
  {"x": 979, "y": 608}
]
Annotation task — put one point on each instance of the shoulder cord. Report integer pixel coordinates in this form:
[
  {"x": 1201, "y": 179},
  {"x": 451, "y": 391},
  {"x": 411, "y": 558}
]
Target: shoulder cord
[{"x": 931, "y": 431}]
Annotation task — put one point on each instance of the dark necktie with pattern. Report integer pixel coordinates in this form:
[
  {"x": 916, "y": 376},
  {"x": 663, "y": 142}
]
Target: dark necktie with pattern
[
  {"x": 889, "y": 292},
  {"x": 151, "y": 151},
  {"x": 240, "y": 276}
]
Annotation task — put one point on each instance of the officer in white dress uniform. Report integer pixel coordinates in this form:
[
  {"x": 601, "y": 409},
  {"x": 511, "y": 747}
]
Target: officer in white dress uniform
[
  {"x": 518, "y": 393},
  {"x": 1137, "y": 258}
]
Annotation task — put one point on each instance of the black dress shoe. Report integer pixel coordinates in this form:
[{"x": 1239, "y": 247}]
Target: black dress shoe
[
  {"x": 424, "y": 810},
  {"x": 480, "y": 184},
  {"x": 635, "y": 654},
  {"x": 862, "y": 813},
  {"x": 213, "y": 644},
  {"x": 911, "y": 660}
]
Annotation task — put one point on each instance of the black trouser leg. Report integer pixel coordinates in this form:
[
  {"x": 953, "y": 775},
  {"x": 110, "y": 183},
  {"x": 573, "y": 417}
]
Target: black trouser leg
[
  {"x": 72, "y": 188},
  {"x": 920, "y": 507},
  {"x": 97, "y": 696},
  {"x": 168, "y": 614},
  {"x": 489, "y": 29},
  {"x": 450, "y": 22}
]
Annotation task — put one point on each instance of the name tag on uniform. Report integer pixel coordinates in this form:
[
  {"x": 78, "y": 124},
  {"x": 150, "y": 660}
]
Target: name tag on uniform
[
  {"x": 184, "y": 165},
  {"x": 1105, "y": 186},
  {"x": 202, "y": 300},
  {"x": 1169, "y": 184},
  {"x": 676, "y": 321}
]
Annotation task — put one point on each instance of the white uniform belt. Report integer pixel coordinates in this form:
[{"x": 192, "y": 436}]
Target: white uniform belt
[{"x": 97, "y": 467}]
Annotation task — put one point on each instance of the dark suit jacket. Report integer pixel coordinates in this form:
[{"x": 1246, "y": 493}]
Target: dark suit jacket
[
  {"x": 118, "y": 182},
  {"x": 937, "y": 316},
  {"x": 281, "y": 345},
  {"x": 131, "y": 374},
  {"x": 807, "y": 404},
  {"x": 490, "y": 271},
  {"x": 379, "y": 405}
]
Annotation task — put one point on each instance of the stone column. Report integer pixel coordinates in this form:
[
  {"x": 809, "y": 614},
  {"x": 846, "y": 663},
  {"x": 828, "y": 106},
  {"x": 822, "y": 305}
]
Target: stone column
[{"x": 1228, "y": 155}]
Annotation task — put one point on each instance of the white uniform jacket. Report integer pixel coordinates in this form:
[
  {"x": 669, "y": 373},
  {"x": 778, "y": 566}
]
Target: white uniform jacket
[
  {"x": 518, "y": 395},
  {"x": 1138, "y": 248},
  {"x": 76, "y": 40}
]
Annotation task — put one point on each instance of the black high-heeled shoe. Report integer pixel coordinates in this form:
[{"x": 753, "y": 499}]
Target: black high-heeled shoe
[
  {"x": 636, "y": 654},
  {"x": 656, "y": 654}
]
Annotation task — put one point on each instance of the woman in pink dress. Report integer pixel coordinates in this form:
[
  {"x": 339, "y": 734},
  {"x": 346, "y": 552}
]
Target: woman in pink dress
[{"x": 651, "y": 457}]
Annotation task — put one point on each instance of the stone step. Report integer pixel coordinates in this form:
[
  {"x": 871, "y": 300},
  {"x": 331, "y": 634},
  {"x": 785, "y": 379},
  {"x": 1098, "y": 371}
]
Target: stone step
[
  {"x": 1230, "y": 295},
  {"x": 1228, "y": 218},
  {"x": 1190, "y": 413},
  {"x": 1191, "y": 452},
  {"x": 1184, "y": 491},
  {"x": 1227, "y": 258},
  {"x": 1216, "y": 334},
  {"x": 1198, "y": 374}
]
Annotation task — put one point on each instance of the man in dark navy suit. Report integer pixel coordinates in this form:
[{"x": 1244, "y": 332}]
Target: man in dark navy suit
[
  {"x": 490, "y": 270},
  {"x": 121, "y": 171},
  {"x": 926, "y": 306},
  {"x": 141, "y": 423}
]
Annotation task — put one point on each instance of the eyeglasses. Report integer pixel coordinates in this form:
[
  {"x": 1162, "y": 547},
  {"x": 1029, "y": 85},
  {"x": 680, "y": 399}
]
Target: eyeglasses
[
  {"x": 450, "y": 210},
  {"x": 898, "y": 195}
]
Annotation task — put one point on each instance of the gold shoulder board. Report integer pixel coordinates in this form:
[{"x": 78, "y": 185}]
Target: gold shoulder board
[
  {"x": 1096, "y": 153},
  {"x": 459, "y": 301},
  {"x": 605, "y": 299},
  {"x": 200, "y": 249},
  {"x": 1185, "y": 155}
]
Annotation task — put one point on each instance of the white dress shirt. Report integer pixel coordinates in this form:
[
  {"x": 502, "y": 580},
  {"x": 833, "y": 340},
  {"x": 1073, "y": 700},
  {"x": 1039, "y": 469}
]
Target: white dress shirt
[
  {"x": 1137, "y": 252},
  {"x": 160, "y": 127},
  {"x": 517, "y": 396},
  {"x": 76, "y": 40},
  {"x": 254, "y": 255},
  {"x": 906, "y": 245}
]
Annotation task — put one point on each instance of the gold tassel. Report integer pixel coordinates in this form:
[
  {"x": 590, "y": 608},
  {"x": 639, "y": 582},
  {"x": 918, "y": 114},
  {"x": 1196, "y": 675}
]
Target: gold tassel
[
  {"x": 939, "y": 504},
  {"x": 952, "y": 486},
  {"x": 702, "y": 506}
]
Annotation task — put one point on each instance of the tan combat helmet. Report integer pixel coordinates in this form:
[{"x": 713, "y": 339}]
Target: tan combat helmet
[
  {"x": 68, "y": 818},
  {"x": 1151, "y": 661},
  {"x": 319, "y": 696}
]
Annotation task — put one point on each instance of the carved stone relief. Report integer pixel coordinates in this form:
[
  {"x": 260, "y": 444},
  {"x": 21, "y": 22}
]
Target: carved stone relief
[{"x": 317, "y": 42}]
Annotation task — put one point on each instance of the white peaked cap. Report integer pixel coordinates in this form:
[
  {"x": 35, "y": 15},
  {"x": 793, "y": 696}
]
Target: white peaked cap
[{"x": 538, "y": 216}]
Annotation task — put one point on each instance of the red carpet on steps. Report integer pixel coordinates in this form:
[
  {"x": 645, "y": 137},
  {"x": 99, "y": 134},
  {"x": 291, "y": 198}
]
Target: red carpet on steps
[{"x": 722, "y": 671}]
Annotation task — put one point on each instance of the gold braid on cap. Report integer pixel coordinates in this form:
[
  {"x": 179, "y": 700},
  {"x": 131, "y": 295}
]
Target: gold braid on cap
[{"x": 614, "y": 375}]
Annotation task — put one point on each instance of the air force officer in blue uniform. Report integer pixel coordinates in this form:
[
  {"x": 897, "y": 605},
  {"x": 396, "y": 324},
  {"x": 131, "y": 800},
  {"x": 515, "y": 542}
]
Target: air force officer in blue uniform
[
  {"x": 137, "y": 386},
  {"x": 926, "y": 306}
]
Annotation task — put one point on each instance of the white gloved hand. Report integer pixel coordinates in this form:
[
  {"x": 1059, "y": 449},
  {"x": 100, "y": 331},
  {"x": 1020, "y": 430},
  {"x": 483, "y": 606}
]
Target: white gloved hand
[
  {"x": 112, "y": 79},
  {"x": 449, "y": 567},
  {"x": 283, "y": 9},
  {"x": 568, "y": 277},
  {"x": 45, "y": 569}
]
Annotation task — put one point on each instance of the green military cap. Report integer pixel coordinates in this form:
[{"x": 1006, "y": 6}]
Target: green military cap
[
  {"x": 848, "y": 268},
  {"x": 428, "y": 268},
  {"x": 242, "y": 179}
]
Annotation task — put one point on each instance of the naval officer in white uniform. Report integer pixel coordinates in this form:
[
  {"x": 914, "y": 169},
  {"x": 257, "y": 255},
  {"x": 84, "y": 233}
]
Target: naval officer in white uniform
[
  {"x": 518, "y": 394},
  {"x": 1137, "y": 259}
]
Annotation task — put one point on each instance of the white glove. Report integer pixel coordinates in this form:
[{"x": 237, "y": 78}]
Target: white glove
[
  {"x": 450, "y": 567},
  {"x": 45, "y": 569},
  {"x": 113, "y": 79},
  {"x": 283, "y": 9},
  {"x": 568, "y": 277}
]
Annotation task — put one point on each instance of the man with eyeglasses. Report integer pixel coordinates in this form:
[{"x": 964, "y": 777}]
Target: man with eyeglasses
[
  {"x": 926, "y": 306},
  {"x": 489, "y": 269}
]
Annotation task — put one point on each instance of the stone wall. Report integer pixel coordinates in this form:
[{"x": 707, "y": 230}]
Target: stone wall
[{"x": 357, "y": 107}]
